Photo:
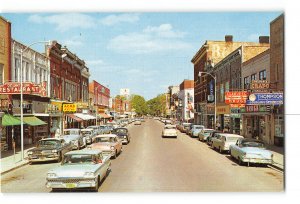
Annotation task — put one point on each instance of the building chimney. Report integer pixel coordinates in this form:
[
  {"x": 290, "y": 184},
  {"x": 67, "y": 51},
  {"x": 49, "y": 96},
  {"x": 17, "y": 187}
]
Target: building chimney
[
  {"x": 264, "y": 39},
  {"x": 228, "y": 38}
]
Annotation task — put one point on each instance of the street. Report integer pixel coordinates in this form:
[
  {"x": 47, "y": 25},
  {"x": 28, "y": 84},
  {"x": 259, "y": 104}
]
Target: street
[{"x": 151, "y": 163}]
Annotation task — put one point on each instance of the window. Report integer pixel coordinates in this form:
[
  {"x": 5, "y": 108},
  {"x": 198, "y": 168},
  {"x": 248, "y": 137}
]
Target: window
[
  {"x": 221, "y": 93},
  {"x": 253, "y": 77},
  {"x": 1, "y": 74},
  {"x": 262, "y": 75},
  {"x": 16, "y": 69},
  {"x": 246, "y": 82}
]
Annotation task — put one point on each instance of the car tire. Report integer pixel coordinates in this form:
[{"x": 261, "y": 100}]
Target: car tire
[
  {"x": 241, "y": 163},
  {"x": 220, "y": 150},
  {"x": 116, "y": 154}
]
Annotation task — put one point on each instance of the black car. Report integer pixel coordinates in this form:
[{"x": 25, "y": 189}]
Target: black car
[{"x": 123, "y": 134}]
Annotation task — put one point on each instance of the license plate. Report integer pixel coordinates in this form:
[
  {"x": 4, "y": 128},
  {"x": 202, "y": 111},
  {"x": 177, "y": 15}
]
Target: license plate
[{"x": 71, "y": 185}]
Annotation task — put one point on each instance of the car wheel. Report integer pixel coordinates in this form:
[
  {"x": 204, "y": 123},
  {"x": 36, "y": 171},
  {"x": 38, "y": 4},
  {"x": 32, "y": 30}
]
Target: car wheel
[
  {"x": 59, "y": 157},
  {"x": 240, "y": 161},
  {"x": 115, "y": 155},
  {"x": 95, "y": 189},
  {"x": 220, "y": 150}
]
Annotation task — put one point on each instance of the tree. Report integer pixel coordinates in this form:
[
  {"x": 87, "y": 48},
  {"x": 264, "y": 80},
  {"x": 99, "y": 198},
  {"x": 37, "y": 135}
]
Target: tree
[
  {"x": 157, "y": 105},
  {"x": 139, "y": 104}
]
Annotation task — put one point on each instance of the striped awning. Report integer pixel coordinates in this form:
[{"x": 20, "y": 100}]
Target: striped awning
[
  {"x": 72, "y": 116},
  {"x": 84, "y": 116}
]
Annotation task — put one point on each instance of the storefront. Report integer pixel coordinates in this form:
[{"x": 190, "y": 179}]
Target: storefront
[{"x": 223, "y": 117}]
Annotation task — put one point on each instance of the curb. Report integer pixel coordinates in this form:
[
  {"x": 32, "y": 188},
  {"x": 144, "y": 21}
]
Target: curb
[
  {"x": 277, "y": 167},
  {"x": 16, "y": 167}
]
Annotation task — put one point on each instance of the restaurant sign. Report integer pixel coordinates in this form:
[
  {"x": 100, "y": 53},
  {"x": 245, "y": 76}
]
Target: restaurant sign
[
  {"x": 28, "y": 88},
  {"x": 236, "y": 97},
  {"x": 69, "y": 107},
  {"x": 265, "y": 99}
]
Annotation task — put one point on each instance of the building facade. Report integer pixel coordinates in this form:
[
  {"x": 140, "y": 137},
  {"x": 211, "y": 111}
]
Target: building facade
[
  {"x": 5, "y": 75},
  {"x": 186, "y": 101},
  {"x": 173, "y": 100}
]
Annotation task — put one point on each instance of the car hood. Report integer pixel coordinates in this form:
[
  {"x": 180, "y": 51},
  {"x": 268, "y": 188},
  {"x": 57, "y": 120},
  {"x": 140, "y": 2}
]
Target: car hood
[
  {"x": 75, "y": 170},
  {"x": 42, "y": 148}
]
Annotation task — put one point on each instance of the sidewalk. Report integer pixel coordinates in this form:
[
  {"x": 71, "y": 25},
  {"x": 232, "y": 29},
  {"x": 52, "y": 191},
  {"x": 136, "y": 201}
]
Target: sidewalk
[
  {"x": 278, "y": 157},
  {"x": 9, "y": 161}
]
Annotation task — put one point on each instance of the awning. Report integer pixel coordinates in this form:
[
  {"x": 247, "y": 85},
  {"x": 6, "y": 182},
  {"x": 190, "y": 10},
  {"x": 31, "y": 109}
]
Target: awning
[
  {"x": 33, "y": 121},
  {"x": 84, "y": 116},
  {"x": 104, "y": 115},
  {"x": 9, "y": 120},
  {"x": 74, "y": 117}
]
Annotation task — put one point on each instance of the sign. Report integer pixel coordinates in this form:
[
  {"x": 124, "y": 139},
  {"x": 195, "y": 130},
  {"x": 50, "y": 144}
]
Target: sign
[
  {"x": 259, "y": 85},
  {"x": 28, "y": 88},
  {"x": 235, "y": 110},
  {"x": 236, "y": 97},
  {"x": 70, "y": 107},
  {"x": 82, "y": 105},
  {"x": 265, "y": 99},
  {"x": 225, "y": 109},
  {"x": 210, "y": 98},
  {"x": 255, "y": 108}
]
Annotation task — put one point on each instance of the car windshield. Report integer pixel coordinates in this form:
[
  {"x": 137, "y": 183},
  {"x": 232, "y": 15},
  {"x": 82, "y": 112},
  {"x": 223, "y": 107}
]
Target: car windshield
[
  {"x": 207, "y": 132},
  {"x": 104, "y": 139},
  {"x": 198, "y": 127},
  {"x": 120, "y": 131},
  {"x": 253, "y": 144},
  {"x": 69, "y": 138},
  {"x": 71, "y": 132},
  {"x": 52, "y": 143},
  {"x": 79, "y": 159},
  {"x": 86, "y": 132}
]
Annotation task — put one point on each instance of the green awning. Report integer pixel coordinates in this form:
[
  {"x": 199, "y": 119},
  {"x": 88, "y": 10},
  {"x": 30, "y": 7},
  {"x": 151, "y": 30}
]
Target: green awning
[
  {"x": 33, "y": 121},
  {"x": 9, "y": 120}
]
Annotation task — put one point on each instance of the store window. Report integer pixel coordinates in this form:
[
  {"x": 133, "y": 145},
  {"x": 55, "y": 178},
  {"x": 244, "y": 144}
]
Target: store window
[
  {"x": 263, "y": 75},
  {"x": 253, "y": 77}
]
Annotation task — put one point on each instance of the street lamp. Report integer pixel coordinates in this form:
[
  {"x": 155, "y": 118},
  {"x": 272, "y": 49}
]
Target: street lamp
[
  {"x": 21, "y": 98},
  {"x": 215, "y": 80}
]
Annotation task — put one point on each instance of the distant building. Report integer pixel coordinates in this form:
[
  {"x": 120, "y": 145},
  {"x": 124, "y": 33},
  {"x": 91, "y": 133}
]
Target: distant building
[
  {"x": 186, "y": 101},
  {"x": 172, "y": 102},
  {"x": 125, "y": 92}
]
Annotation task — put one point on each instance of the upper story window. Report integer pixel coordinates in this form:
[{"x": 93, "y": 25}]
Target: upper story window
[
  {"x": 263, "y": 75},
  {"x": 253, "y": 77},
  {"x": 246, "y": 82}
]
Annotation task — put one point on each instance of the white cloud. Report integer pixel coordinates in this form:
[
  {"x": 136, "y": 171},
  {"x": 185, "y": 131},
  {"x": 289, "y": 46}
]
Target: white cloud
[
  {"x": 164, "y": 30},
  {"x": 75, "y": 41},
  {"x": 66, "y": 21},
  {"x": 122, "y": 18},
  {"x": 94, "y": 62},
  {"x": 151, "y": 39}
]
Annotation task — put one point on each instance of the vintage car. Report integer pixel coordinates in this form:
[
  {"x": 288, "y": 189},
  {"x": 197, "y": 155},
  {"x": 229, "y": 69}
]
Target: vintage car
[
  {"x": 79, "y": 169},
  {"x": 204, "y": 133},
  {"x": 195, "y": 129},
  {"x": 95, "y": 128},
  {"x": 251, "y": 151},
  {"x": 103, "y": 129},
  {"x": 49, "y": 149},
  {"x": 137, "y": 122},
  {"x": 169, "y": 131},
  {"x": 186, "y": 127},
  {"x": 72, "y": 131},
  {"x": 222, "y": 141},
  {"x": 77, "y": 141},
  {"x": 212, "y": 135},
  {"x": 123, "y": 134},
  {"x": 109, "y": 144},
  {"x": 89, "y": 135}
]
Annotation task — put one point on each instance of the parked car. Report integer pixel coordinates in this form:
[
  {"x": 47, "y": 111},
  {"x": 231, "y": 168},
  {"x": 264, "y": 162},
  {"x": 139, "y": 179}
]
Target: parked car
[
  {"x": 137, "y": 122},
  {"x": 104, "y": 129},
  {"x": 72, "y": 131},
  {"x": 123, "y": 134},
  {"x": 108, "y": 144},
  {"x": 48, "y": 150},
  {"x": 251, "y": 151},
  {"x": 195, "y": 129},
  {"x": 79, "y": 169},
  {"x": 204, "y": 133},
  {"x": 95, "y": 128},
  {"x": 186, "y": 127},
  {"x": 89, "y": 135},
  {"x": 76, "y": 141},
  {"x": 223, "y": 141},
  {"x": 212, "y": 135},
  {"x": 169, "y": 131}
]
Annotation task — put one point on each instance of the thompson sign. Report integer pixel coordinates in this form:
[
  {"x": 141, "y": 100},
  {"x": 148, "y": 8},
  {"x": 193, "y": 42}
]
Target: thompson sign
[{"x": 265, "y": 99}]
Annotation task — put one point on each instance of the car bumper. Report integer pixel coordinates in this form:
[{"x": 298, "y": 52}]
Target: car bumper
[
  {"x": 43, "y": 158},
  {"x": 258, "y": 160},
  {"x": 84, "y": 183},
  {"x": 169, "y": 135}
]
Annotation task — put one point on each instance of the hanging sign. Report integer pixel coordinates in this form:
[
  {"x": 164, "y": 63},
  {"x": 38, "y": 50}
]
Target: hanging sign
[{"x": 236, "y": 97}]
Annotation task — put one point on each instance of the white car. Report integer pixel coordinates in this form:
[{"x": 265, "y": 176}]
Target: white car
[
  {"x": 204, "y": 133},
  {"x": 137, "y": 122},
  {"x": 222, "y": 141},
  {"x": 169, "y": 131}
]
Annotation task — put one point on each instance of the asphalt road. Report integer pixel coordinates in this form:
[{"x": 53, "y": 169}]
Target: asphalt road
[{"x": 151, "y": 163}]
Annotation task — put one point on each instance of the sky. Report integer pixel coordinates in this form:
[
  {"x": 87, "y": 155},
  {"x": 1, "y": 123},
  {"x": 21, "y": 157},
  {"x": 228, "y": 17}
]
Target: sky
[{"x": 145, "y": 52}]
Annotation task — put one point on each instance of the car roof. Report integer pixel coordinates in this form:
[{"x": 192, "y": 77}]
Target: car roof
[
  {"x": 106, "y": 135},
  {"x": 84, "y": 151},
  {"x": 89, "y": 129},
  {"x": 207, "y": 129}
]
